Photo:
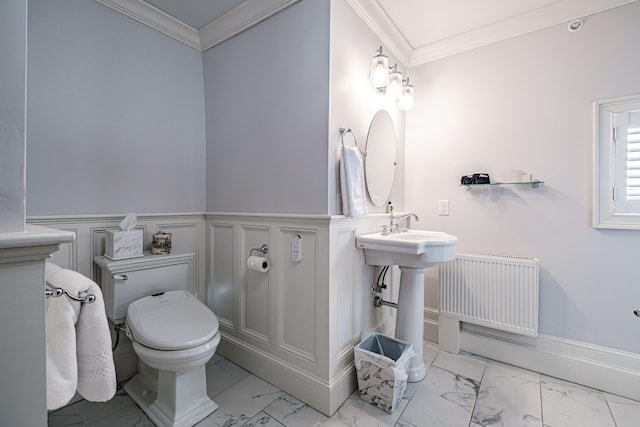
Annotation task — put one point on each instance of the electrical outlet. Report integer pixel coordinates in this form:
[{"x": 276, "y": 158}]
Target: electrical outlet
[{"x": 443, "y": 207}]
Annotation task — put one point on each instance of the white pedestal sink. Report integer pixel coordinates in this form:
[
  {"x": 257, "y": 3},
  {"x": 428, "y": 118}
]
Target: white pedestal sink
[{"x": 413, "y": 251}]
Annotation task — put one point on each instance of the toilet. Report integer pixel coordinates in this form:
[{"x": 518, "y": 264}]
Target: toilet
[{"x": 173, "y": 334}]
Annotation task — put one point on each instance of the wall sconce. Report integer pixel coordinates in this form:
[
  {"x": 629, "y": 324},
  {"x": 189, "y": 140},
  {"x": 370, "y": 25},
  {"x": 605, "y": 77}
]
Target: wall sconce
[
  {"x": 406, "y": 99},
  {"x": 389, "y": 81},
  {"x": 379, "y": 75}
]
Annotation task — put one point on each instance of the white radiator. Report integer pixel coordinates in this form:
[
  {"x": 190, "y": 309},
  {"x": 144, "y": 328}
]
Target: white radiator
[{"x": 496, "y": 291}]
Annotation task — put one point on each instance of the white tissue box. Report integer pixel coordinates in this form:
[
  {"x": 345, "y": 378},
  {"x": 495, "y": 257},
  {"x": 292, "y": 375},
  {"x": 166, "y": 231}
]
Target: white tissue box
[{"x": 123, "y": 244}]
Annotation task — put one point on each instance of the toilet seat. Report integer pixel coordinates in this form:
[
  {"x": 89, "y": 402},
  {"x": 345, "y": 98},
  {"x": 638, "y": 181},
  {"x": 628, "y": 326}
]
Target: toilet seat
[{"x": 174, "y": 320}]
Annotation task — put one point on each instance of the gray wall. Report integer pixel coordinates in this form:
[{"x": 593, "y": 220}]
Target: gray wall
[
  {"x": 13, "y": 41},
  {"x": 267, "y": 101},
  {"x": 526, "y": 103},
  {"x": 109, "y": 98},
  {"x": 115, "y": 114}
]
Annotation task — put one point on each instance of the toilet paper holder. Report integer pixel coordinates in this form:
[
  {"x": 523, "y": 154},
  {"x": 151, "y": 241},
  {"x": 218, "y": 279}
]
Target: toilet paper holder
[
  {"x": 262, "y": 249},
  {"x": 258, "y": 262}
]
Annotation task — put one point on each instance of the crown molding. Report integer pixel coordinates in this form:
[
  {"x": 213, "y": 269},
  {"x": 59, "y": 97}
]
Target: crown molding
[
  {"x": 239, "y": 19},
  {"x": 538, "y": 19},
  {"x": 155, "y": 18},
  {"x": 556, "y": 13},
  {"x": 231, "y": 23},
  {"x": 379, "y": 22}
]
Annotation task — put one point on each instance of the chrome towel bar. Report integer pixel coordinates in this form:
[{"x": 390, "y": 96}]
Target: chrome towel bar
[{"x": 56, "y": 292}]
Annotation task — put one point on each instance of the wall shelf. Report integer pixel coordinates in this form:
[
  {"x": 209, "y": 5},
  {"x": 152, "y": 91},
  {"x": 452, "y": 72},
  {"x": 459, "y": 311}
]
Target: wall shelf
[{"x": 533, "y": 184}]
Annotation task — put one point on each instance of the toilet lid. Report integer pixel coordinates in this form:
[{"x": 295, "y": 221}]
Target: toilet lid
[{"x": 173, "y": 320}]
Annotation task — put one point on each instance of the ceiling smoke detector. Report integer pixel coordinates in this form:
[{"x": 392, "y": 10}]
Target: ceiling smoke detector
[{"x": 576, "y": 24}]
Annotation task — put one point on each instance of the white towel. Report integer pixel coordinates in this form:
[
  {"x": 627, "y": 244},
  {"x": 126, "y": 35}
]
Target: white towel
[
  {"x": 354, "y": 197},
  {"x": 62, "y": 374},
  {"x": 78, "y": 345}
]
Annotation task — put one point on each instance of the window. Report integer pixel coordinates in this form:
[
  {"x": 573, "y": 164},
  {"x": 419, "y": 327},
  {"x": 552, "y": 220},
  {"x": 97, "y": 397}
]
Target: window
[
  {"x": 617, "y": 163},
  {"x": 625, "y": 131}
]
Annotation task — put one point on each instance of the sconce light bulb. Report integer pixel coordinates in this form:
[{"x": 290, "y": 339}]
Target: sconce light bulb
[
  {"x": 379, "y": 72},
  {"x": 406, "y": 100},
  {"x": 379, "y": 77},
  {"x": 394, "y": 90}
]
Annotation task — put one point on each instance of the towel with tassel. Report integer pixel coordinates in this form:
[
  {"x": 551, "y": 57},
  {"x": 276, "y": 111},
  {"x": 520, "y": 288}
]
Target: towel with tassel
[
  {"x": 354, "y": 197},
  {"x": 78, "y": 344}
]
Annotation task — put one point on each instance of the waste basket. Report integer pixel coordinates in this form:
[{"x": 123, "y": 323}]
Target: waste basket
[{"x": 381, "y": 365}]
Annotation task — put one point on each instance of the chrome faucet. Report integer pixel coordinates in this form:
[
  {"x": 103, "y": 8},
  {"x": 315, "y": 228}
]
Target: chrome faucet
[{"x": 394, "y": 222}]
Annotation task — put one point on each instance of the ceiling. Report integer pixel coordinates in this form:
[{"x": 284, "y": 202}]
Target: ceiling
[
  {"x": 415, "y": 31},
  {"x": 196, "y": 13}
]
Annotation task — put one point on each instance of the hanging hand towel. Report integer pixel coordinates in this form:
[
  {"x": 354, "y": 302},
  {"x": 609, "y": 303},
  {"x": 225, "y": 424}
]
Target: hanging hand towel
[
  {"x": 61, "y": 315},
  {"x": 354, "y": 198},
  {"x": 78, "y": 342},
  {"x": 96, "y": 371}
]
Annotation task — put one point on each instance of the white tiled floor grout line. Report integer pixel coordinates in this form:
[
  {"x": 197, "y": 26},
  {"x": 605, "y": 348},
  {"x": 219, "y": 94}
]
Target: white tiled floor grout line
[
  {"x": 476, "y": 401},
  {"x": 541, "y": 405}
]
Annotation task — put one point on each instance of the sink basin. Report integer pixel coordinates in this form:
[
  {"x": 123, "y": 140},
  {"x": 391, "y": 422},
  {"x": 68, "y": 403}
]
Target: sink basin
[
  {"x": 411, "y": 248},
  {"x": 413, "y": 251}
]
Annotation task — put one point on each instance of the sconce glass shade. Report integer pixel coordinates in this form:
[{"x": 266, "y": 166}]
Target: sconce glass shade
[
  {"x": 379, "y": 75},
  {"x": 394, "y": 90},
  {"x": 406, "y": 99},
  {"x": 388, "y": 81}
]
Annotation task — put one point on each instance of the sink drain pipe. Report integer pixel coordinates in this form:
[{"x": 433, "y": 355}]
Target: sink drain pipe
[
  {"x": 379, "y": 302},
  {"x": 376, "y": 290}
]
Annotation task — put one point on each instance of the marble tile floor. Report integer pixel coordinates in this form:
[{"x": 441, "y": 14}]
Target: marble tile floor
[{"x": 459, "y": 391}]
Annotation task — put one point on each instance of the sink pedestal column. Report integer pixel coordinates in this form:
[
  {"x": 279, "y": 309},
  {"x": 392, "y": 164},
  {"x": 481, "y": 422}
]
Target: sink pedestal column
[{"x": 410, "y": 317}]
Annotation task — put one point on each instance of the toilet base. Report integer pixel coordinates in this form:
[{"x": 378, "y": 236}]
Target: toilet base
[{"x": 181, "y": 401}]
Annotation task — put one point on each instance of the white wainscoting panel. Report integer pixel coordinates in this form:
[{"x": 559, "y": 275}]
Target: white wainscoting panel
[
  {"x": 67, "y": 255},
  {"x": 187, "y": 237},
  {"x": 296, "y": 325},
  {"x": 334, "y": 286},
  {"x": 255, "y": 293},
  {"x": 90, "y": 231},
  {"x": 298, "y": 294},
  {"x": 346, "y": 291},
  {"x": 220, "y": 295}
]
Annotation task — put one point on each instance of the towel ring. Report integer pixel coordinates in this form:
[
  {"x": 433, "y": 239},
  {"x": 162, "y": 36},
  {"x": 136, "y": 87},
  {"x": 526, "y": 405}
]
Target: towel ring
[{"x": 344, "y": 131}]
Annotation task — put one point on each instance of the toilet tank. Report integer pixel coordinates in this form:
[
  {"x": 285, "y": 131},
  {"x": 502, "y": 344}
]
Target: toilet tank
[{"x": 124, "y": 281}]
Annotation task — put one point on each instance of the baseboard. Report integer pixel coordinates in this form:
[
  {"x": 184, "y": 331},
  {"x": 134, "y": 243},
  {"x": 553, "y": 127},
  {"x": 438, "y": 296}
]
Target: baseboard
[
  {"x": 430, "y": 327},
  {"x": 598, "y": 367},
  {"x": 324, "y": 396}
]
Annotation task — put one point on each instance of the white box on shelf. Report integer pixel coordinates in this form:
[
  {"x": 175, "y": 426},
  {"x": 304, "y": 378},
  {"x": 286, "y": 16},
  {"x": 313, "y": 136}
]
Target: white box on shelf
[{"x": 123, "y": 244}]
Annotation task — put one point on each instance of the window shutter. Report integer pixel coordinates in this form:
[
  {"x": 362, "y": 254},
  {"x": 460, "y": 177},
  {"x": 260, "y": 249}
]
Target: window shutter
[{"x": 633, "y": 156}]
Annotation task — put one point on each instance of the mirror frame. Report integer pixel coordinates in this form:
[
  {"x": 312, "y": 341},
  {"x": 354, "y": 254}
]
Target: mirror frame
[{"x": 604, "y": 214}]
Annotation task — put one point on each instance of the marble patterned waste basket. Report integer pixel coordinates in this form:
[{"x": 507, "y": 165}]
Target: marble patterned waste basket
[{"x": 381, "y": 364}]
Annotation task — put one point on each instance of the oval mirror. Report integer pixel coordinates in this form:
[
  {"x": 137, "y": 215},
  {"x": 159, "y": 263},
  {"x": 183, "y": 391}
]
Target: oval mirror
[{"x": 380, "y": 161}]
